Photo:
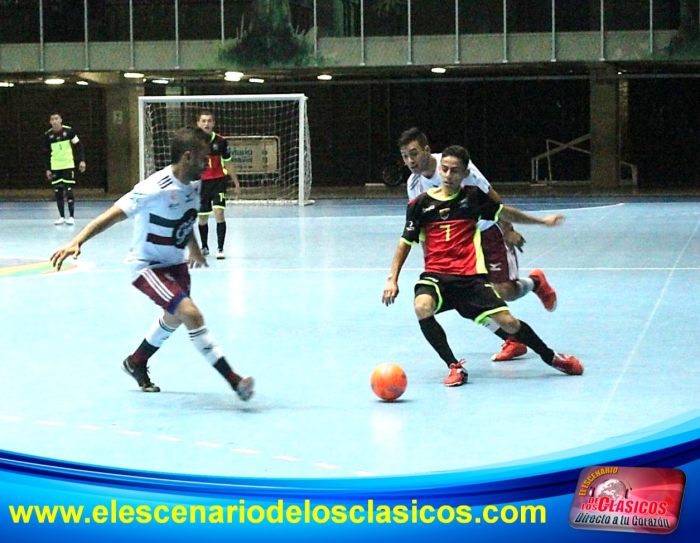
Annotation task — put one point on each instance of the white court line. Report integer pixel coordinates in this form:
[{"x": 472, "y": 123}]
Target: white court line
[
  {"x": 326, "y": 466},
  {"x": 10, "y": 419},
  {"x": 50, "y": 422},
  {"x": 88, "y": 427},
  {"x": 287, "y": 458},
  {"x": 129, "y": 433},
  {"x": 363, "y": 473},
  {"x": 640, "y": 338},
  {"x": 246, "y": 451},
  {"x": 169, "y": 438}
]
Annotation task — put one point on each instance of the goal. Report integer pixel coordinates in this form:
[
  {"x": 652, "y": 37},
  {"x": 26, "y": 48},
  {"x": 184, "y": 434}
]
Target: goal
[{"x": 268, "y": 135}]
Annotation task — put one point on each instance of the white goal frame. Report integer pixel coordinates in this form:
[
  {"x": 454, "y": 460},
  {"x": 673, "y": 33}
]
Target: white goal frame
[{"x": 303, "y": 135}]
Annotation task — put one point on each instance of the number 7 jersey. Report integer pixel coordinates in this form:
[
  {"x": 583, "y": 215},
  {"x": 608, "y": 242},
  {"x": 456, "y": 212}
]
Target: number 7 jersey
[{"x": 449, "y": 227}]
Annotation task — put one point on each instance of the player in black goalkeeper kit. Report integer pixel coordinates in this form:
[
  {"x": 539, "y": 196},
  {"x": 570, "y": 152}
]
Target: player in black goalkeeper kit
[
  {"x": 61, "y": 144},
  {"x": 214, "y": 185},
  {"x": 455, "y": 275}
]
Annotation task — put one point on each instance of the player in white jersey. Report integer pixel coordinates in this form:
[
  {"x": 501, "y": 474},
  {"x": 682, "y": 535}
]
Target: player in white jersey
[
  {"x": 499, "y": 240},
  {"x": 164, "y": 208}
]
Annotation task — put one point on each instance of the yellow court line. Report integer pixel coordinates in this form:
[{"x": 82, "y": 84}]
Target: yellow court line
[{"x": 39, "y": 266}]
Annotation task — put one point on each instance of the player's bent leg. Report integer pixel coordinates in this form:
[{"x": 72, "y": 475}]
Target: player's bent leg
[
  {"x": 544, "y": 290},
  {"x": 425, "y": 307},
  {"x": 204, "y": 342}
]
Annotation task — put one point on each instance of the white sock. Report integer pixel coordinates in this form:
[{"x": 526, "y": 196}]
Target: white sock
[
  {"x": 204, "y": 342},
  {"x": 525, "y": 286},
  {"x": 159, "y": 332}
]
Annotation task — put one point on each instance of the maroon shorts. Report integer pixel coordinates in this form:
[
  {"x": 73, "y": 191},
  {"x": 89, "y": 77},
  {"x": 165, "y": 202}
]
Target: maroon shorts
[
  {"x": 501, "y": 261},
  {"x": 165, "y": 286}
]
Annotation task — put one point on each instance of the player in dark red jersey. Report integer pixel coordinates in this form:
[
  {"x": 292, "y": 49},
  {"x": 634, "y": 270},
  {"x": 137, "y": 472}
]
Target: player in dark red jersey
[
  {"x": 455, "y": 275},
  {"x": 60, "y": 142},
  {"x": 214, "y": 185}
]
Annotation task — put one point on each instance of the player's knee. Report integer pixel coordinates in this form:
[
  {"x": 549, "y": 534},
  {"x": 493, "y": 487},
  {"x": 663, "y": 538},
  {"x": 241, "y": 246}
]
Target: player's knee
[
  {"x": 507, "y": 322},
  {"x": 189, "y": 314},
  {"x": 424, "y": 306},
  {"x": 508, "y": 290}
]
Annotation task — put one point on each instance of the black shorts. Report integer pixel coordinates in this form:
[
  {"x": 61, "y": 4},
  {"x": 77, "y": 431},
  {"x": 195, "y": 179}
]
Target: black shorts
[
  {"x": 213, "y": 195},
  {"x": 63, "y": 176},
  {"x": 472, "y": 296}
]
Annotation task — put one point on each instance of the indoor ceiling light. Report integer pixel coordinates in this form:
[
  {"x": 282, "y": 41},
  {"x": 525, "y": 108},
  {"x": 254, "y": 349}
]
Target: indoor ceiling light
[
  {"x": 54, "y": 81},
  {"x": 233, "y": 75},
  {"x": 6, "y": 84},
  {"x": 133, "y": 75},
  {"x": 161, "y": 81},
  {"x": 438, "y": 70},
  {"x": 256, "y": 80},
  {"x": 324, "y": 77},
  {"x": 83, "y": 83}
]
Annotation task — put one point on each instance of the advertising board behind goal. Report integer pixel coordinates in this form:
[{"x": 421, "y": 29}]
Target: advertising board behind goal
[{"x": 255, "y": 154}]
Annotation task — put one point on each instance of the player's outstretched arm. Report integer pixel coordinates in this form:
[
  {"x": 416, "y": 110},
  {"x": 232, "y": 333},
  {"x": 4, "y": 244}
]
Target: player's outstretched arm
[
  {"x": 391, "y": 289},
  {"x": 99, "y": 224},
  {"x": 515, "y": 215}
]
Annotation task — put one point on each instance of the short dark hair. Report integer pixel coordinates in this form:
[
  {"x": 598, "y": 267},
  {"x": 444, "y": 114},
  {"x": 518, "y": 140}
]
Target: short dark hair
[
  {"x": 206, "y": 112},
  {"x": 186, "y": 139},
  {"x": 459, "y": 152},
  {"x": 413, "y": 134}
]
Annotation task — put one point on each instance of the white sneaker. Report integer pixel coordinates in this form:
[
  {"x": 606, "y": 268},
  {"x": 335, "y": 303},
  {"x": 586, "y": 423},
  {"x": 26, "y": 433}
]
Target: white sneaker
[
  {"x": 220, "y": 254},
  {"x": 245, "y": 388},
  {"x": 70, "y": 220},
  {"x": 60, "y": 220}
]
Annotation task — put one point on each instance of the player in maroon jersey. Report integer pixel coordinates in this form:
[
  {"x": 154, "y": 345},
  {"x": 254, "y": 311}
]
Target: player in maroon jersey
[
  {"x": 214, "y": 185},
  {"x": 455, "y": 275}
]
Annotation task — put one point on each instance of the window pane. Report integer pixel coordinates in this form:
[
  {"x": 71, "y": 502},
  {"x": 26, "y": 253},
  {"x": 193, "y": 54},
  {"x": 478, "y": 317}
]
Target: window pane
[
  {"x": 480, "y": 16},
  {"x": 337, "y": 18},
  {"x": 386, "y": 17},
  {"x": 577, "y": 15},
  {"x": 627, "y": 14},
  {"x": 154, "y": 20},
  {"x": 433, "y": 18},
  {"x": 532, "y": 16},
  {"x": 63, "y": 20},
  {"x": 19, "y": 21},
  {"x": 667, "y": 14},
  {"x": 199, "y": 19},
  {"x": 108, "y": 20}
]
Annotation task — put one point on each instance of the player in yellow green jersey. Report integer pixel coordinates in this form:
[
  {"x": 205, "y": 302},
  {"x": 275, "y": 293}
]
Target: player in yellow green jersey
[{"x": 61, "y": 145}]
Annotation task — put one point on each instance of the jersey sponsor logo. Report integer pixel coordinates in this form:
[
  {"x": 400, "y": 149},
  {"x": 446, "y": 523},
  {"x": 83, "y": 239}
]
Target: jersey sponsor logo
[
  {"x": 429, "y": 208},
  {"x": 444, "y": 213},
  {"x": 494, "y": 266}
]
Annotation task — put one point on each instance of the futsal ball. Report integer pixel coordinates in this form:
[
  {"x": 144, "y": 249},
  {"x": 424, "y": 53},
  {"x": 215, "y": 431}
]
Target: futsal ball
[{"x": 388, "y": 381}]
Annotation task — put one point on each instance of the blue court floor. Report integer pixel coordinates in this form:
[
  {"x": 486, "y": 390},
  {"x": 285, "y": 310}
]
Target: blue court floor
[{"x": 297, "y": 304}]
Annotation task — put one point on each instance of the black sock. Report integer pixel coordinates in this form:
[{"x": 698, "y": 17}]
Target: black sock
[
  {"x": 143, "y": 353},
  {"x": 227, "y": 372},
  {"x": 59, "y": 202},
  {"x": 204, "y": 234},
  {"x": 437, "y": 338},
  {"x": 71, "y": 201},
  {"x": 221, "y": 234},
  {"x": 528, "y": 336}
]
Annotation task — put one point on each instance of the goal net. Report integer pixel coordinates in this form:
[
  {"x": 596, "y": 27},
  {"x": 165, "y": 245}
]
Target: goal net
[{"x": 268, "y": 135}]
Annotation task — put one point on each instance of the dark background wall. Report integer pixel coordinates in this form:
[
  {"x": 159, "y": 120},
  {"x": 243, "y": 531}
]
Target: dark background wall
[{"x": 354, "y": 127}]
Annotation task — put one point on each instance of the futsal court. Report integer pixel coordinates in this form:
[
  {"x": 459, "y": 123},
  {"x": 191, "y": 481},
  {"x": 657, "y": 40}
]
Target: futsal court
[{"x": 297, "y": 305}]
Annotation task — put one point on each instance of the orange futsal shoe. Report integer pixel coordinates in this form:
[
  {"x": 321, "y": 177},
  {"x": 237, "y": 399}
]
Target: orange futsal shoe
[
  {"x": 458, "y": 375},
  {"x": 567, "y": 363},
  {"x": 544, "y": 290},
  {"x": 511, "y": 349}
]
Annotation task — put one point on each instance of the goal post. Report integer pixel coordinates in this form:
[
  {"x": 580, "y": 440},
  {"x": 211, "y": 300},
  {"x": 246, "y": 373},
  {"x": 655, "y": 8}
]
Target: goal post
[{"x": 268, "y": 135}]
